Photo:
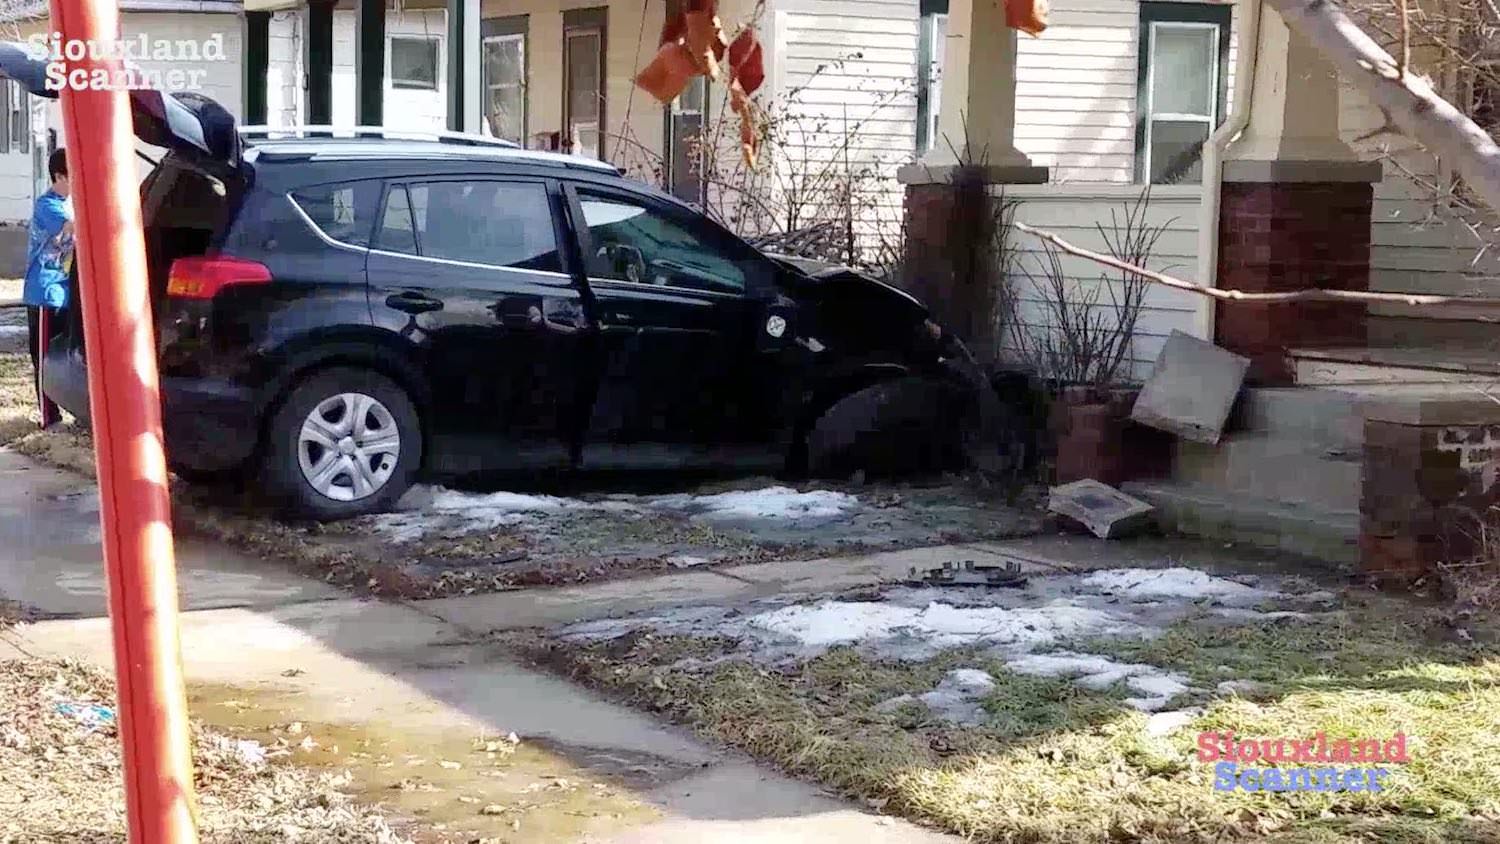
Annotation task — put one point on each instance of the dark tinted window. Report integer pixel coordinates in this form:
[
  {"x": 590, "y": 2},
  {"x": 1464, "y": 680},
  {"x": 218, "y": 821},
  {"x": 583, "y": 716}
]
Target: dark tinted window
[
  {"x": 344, "y": 212},
  {"x": 398, "y": 230},
  {"x": 632, "y": 242},
  {"x": 500, "y": 224}
]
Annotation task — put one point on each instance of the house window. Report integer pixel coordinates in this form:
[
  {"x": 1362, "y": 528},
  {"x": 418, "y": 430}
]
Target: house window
[
  {"x": 504, "y": 60},
  {"x": 1182, "y": 82},
  {"x": 934, "y": 36},
  {"x": 15, "y": 118},
  {"x": 583, "y": 80},
  {"x": 414, "y": 62}
]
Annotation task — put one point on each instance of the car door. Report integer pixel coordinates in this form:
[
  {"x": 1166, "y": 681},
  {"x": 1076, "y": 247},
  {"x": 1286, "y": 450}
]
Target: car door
[
  {"x": 469, "y": 274},
  {"x": 692, "y": 333}
]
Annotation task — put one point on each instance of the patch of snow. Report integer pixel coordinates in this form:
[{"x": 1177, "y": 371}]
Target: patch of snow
[
  {"x": 937, "y": 625},
  {"x": 1164, "y": 684},
  {"x": 687, "y": 561},
  {"x": 956, "y": 697},
  {"x": 776, "y": 502},
  {"x": 1166, "y": 723},
  {"x": 1244, "y": 614},
  {"x": 1143, "y": 585},
  {"x": 1098, "y": 673}
]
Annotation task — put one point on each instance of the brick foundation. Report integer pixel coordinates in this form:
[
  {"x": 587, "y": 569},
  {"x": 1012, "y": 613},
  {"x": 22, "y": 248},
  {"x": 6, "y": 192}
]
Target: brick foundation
[
  {"x": 1421, "y": 486},
  {"x": 1285, "y": 236},
  {"x": 945, "y": 221}
]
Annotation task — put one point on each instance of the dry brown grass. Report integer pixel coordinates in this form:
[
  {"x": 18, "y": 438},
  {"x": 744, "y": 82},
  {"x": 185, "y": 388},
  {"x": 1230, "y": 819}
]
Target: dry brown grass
[
  {"x": 1059, "y": 764},
  {"x": 61, "y": 779}
]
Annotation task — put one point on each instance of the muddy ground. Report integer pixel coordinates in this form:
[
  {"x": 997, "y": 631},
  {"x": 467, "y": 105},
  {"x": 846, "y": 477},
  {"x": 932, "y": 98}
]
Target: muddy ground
[{"x": 448, "y": 542}]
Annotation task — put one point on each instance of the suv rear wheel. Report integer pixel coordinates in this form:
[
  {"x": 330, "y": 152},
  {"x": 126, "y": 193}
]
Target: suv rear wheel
[{"x": 346, "y": 442}]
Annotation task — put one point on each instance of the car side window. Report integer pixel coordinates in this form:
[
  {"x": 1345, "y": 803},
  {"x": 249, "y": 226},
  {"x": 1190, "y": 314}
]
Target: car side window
[
  {"x": 398, "y": 227},
  {"x": 630, "y": 241},
  {"x": 343, "y": 212},
  {"x": 491, "y": 222}
]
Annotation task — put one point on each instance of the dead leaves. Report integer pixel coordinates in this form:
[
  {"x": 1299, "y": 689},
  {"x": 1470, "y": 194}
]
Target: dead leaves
[
  {"x": 1028, "y": 16},
  {"x": 693, "y": 44}
]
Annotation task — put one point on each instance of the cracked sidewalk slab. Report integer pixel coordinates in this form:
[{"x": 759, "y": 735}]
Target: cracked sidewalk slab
[{"x": 484, "y": 614}]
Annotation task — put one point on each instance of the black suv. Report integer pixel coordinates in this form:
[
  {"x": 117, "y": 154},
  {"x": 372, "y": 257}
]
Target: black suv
[{"x": 338, "y": 315}]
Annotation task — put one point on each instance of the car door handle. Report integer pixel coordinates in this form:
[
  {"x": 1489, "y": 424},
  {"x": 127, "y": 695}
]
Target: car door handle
[{"x": 413, "y": 303}]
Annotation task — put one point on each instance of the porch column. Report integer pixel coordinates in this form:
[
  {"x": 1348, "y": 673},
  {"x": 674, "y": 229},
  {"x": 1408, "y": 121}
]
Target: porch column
[
  {"x": 463, "y": 65},
  {"x": 318, "y": 60},
  {"x": 948, "y": 192},
  {"x": 257, "y": 62},
  {"x": 977, "y": 121},
  {"x": 1295, "y": 210},
  {"x": 369, "y": 63}
]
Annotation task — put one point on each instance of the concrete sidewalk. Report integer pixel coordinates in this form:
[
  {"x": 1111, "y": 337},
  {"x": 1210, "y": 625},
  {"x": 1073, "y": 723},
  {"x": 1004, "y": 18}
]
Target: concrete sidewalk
[
  {"x": 415, "y": 686},
  {"x": 51, "y": 560}
]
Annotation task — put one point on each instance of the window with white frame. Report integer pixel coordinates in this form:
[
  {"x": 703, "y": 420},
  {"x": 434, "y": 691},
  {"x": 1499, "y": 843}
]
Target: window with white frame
[
  {"x": 1181, "y": 88},
  {"x": 415, "y": 62},
  {"x": 583, "y": 79},
  {"x": 934, "y": 36},
  {"x": 504, "y": 58}
]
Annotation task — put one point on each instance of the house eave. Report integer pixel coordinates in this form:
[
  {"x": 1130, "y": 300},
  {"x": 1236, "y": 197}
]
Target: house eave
[{"x": 38, "y": 9}]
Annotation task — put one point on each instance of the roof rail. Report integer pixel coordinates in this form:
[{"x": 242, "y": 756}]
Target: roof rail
[{"x": 461, "y": 138}]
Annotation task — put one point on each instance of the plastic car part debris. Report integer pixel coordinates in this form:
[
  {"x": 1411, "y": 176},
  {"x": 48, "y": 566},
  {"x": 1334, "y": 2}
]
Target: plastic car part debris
[{"x": 968, "y": 573}]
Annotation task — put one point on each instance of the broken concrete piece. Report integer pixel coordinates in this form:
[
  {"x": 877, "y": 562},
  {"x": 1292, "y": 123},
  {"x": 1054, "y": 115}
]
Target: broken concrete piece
[
  {"x": 1191, "y": 390},
  {"x": 1104, "y": 510}
]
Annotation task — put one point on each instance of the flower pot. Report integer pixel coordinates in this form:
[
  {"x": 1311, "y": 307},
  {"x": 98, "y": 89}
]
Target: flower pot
[{"x": 1090, "y": 442}]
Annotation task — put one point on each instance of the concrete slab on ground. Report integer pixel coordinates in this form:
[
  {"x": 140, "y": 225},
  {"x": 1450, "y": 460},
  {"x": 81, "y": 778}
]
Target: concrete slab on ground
[
  {"x": 356, "y": 668},
  {"x": 483, "y": 614},
  {"x": 51, "y": 559}
]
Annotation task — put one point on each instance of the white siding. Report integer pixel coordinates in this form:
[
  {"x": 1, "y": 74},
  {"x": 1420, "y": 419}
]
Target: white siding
[
  {"x": 846, "y": 74},
  {"x": 1076, "y": 90},
  {"x": 1072, "y": 213}
]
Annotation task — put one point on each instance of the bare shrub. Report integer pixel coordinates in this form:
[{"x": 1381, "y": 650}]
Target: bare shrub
[{"x": 1082, "y": 339}]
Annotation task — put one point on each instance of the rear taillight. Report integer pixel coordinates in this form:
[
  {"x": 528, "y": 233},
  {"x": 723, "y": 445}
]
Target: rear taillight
[{"x": 202, "y": 277}]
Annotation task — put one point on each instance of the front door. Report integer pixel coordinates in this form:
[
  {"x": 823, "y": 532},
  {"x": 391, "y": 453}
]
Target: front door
[
  {"x": 691, "y": 334},
  {"x": 469, "y": 272}
]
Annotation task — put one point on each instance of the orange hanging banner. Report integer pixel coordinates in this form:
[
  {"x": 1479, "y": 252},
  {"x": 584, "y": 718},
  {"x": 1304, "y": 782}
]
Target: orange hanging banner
[{"x": 125, "y": 406}]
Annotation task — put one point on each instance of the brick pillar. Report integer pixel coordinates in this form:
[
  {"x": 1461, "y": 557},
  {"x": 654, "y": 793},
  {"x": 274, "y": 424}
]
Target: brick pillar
[
  {"x": 1424, "y": 482},
  {"x": 951, "y": 263},
  {"x": 1277, "y": 236}
]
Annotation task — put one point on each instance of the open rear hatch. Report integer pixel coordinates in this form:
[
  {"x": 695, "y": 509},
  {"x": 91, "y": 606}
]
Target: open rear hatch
[{"x": 202, "y": 159}]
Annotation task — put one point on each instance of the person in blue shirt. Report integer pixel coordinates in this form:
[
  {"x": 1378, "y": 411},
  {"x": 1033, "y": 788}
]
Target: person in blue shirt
[{"x": 49, "y": 257}]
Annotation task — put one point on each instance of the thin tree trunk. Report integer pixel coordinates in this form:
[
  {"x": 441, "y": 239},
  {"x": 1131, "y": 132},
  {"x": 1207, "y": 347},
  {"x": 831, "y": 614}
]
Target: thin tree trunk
[{"x": 1407, "y": 100}]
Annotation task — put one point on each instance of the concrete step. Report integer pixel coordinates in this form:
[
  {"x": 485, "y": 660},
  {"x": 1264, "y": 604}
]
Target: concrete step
[
  {"x": 1324, "y": 420},
  {"x": 1306, "y": 530},
  {"x": 1273, "y": 467},
  {"x": 1394, "y": 365}
]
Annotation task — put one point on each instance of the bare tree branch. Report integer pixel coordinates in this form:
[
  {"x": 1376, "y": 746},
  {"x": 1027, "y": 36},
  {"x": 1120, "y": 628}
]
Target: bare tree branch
[{"x": 1412, "y": 103}]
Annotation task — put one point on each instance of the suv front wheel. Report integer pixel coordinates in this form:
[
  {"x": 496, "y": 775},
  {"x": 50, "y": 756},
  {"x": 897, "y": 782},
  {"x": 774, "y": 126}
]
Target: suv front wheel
[{"x": 346, "y": 442}]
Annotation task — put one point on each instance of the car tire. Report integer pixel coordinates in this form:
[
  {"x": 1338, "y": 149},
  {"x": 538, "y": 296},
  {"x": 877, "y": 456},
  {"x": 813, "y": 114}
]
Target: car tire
[
  {"x": 230, "y": 477},
  {"x": 344, "y": 443},
  {"x": 911, "y": 425}
]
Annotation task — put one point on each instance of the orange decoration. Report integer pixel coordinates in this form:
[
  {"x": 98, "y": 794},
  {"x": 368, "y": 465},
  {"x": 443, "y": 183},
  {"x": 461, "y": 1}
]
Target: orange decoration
[
  {"x": 747, "y": 61},
  {"x": 1029, "y": 16},
  {"x": 668, "y": 74},
  {"x": 693, "y": 44}
]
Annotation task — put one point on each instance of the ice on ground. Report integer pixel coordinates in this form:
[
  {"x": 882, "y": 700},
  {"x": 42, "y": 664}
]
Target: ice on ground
[
  {"x": 1166, "y": 723},
  {"x": 686, "y": 561},
  {"x": 1146, "y": 585},
  {"x": 957, "y": 696},
  {"x": 776, "y": 502},
  {"x": 430, "y": 509},
  {"x": 1091, "y": 671},
  {"x": 934, "y": 627}
]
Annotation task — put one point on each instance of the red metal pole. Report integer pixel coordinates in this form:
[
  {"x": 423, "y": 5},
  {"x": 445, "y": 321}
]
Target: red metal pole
[{"x": 126, "y": 409}]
